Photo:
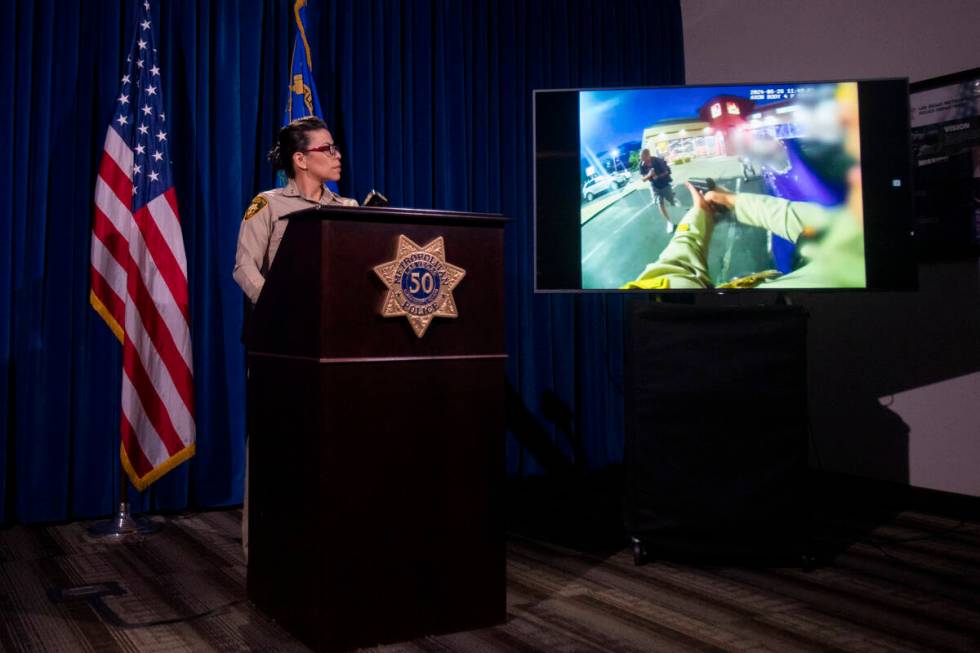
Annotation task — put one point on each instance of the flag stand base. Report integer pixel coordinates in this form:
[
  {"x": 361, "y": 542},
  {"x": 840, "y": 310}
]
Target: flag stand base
[{"x": 123, "y": 524}]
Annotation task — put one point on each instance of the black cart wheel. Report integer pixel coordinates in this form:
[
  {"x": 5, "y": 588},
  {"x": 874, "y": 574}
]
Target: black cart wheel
[
  {"x": 639, "y": 552},
  {"x": 808, "y": 562}
]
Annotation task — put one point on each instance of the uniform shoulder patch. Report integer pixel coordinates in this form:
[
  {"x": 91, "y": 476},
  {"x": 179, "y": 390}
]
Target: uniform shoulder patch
[{"x": 257, "y": 205}]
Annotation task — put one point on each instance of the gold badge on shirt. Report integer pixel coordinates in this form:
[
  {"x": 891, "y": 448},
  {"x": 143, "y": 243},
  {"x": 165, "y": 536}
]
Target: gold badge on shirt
[{"x": 420, "y": 283}]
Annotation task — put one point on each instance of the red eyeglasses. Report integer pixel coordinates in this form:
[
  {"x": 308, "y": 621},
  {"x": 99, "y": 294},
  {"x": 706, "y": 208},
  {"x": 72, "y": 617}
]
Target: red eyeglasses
[{"x": 329, "y": 149}]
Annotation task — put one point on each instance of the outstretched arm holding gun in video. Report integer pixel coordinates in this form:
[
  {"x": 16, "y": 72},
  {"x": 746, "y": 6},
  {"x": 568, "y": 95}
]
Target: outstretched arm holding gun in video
[
  {"x": 831, "y": 241},
  {"x": 782, "y": 217},
  {"x": 703, "y": 185},
  {"x": 683, "y": 263}
]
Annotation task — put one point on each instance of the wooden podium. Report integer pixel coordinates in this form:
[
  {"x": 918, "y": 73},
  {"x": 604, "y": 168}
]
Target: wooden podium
[{"x": 376, "y": 457}]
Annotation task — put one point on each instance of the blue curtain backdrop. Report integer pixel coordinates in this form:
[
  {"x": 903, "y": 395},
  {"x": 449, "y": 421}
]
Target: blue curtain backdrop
[{"x": 431, "y": 103}]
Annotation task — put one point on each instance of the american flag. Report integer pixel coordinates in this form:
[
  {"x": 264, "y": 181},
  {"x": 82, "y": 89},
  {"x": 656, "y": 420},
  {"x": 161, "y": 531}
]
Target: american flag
[{"x": 139, "y": 271}]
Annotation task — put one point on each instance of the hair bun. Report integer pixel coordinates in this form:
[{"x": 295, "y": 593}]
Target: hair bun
[{"x": 275, "y": 157}]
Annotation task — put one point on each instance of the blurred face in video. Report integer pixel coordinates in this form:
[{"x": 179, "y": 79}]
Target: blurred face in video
[
  {"x": 763, "y": 147},
  {"x": 823, "y": 122}
]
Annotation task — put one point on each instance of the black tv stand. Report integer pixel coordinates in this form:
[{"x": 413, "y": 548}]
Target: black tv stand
[{"x": 716, "y": 431}]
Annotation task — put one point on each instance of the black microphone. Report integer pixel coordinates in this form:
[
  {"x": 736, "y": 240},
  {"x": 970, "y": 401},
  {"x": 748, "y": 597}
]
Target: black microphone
[{"x": 374, "y": 198}]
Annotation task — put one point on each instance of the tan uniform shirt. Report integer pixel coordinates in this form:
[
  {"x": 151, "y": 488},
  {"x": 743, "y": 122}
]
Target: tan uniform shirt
[{"x": 262, "y": 229}]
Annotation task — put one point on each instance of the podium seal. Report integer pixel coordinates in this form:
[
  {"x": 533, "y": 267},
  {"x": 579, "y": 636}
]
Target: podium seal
[{"x": 420, "y": 283}]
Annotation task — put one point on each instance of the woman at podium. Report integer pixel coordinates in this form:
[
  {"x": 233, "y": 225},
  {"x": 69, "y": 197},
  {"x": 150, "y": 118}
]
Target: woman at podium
[{"x": 306, "y": 152}]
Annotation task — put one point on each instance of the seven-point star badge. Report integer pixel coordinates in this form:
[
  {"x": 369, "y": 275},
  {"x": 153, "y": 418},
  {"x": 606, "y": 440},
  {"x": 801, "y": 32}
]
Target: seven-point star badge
[{"x": 420, "y": 283}]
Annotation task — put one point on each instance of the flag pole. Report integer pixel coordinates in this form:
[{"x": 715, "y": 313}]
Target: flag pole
[{"x": 123, "y": 525}]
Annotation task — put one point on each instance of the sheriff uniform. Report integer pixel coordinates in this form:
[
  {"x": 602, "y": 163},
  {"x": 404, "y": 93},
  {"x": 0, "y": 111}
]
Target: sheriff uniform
[
  {"x": 830, "y": 241},
  {"x": 259, "y": 237},
  {"x": 262, "y": 229}
]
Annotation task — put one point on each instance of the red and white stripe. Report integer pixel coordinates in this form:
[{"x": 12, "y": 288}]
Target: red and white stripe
[{"x": 139, "y": 286}]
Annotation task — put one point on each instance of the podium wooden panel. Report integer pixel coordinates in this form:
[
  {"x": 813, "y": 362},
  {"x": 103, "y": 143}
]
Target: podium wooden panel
[{"x": 376, "y": 457}]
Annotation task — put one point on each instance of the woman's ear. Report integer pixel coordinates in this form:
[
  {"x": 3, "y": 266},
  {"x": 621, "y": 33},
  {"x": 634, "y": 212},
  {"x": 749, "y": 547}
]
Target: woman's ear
[{"x": 299, "y": 161}]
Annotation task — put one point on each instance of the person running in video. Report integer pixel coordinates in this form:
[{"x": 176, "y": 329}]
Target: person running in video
[{"x": 657, "y": 172}]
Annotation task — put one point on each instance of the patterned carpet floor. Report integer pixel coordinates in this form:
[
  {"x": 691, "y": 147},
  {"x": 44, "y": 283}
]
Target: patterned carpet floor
[{"x": 906, "y": 581}]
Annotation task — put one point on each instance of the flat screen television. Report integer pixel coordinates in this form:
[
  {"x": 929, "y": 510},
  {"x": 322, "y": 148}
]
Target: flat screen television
[
  {"x": 797, "y": 186},
  {"x": 945, "y": 124}
]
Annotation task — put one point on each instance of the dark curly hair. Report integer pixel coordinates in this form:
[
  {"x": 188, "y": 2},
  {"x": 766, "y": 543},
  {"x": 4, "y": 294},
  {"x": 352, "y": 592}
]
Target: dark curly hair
[{"x": 293, "y": 138}]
